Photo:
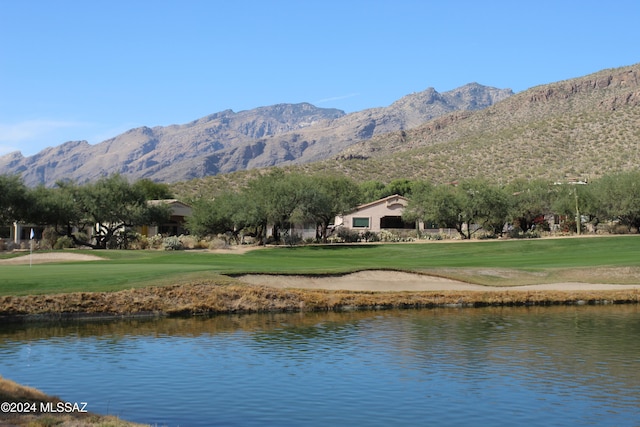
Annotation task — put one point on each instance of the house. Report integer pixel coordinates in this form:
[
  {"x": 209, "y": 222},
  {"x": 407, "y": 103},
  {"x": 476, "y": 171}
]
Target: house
[
  {"x": 175, "y": 225},
  {"x": 376, "y": 216},
  {"x": 20, "y": 232}
]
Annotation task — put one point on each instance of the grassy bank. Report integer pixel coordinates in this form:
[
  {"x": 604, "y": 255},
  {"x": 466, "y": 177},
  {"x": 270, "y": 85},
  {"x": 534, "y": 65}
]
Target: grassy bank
[
  {"x": 212, "y": 298},
  {"x": 161, "y": 283},
  {"x": 13, "y": 393},
  {"x": 591, "y": 260}
]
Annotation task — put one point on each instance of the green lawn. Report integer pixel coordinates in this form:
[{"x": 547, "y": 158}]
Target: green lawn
[{"x": 127, "y": 269}]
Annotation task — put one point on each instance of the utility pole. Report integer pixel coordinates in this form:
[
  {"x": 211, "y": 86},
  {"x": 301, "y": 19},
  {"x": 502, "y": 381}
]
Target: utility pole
[{"x": 577, "y": 212}]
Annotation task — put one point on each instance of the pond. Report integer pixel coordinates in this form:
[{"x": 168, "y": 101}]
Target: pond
[{"x": 448, "y": 367}]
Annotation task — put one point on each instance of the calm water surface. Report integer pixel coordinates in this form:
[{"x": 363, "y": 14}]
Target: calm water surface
[{"x": 447, "y": 367}]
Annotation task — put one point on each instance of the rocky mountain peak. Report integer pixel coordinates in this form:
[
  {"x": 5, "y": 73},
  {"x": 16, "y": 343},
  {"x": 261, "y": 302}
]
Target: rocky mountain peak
[{"x": 227, "y": 141}]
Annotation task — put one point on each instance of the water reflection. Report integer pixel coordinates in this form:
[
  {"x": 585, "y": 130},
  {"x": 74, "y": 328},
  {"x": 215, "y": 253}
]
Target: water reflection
[{"x": 494, "y": 366}]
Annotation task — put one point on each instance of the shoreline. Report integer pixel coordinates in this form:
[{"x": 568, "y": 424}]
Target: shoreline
[
  {"x": 28, "y": 406},
  {"x": 360, "y": 290},
  {"x": 261, "y": 293}
]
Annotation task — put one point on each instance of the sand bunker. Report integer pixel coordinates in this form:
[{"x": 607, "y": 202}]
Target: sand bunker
[
  {"x": 41, "y": 258},
  {"x": 399, "y": 281}
]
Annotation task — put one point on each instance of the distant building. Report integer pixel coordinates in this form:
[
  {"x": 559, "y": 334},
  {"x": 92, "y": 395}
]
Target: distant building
[
  {"x": 175, "y": 225},
  {"x": 383, "y": 214},
  {"x": 20, "y": 232}
]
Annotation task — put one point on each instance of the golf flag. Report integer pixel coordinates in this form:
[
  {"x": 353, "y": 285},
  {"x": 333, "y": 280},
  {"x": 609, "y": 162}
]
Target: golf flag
[{"x": 32, "y": 234}]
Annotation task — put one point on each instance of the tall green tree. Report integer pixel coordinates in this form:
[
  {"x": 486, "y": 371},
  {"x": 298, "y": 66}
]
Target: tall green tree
[
  {"x": 289, "y": 198},
  {"x": 106, "y": 207},
  {"x": 529, "y": 200},
  {"x": 486, "y": 205},
  {"x": 371, "y": 191},
  {"x": 616, "y": 197},
  {"x": 113, "y": 204},
  {"x": 401, "y": 186},
  {"x": 420, "y": 203},
  {"x": 335, "y": 195},
  {"x": 59, "y": 208},
  {"x": 217, "y": 216},
  {"x": 14, "y": 202},
  {"x": 153, "y": 190},
  {"x": 470, "y": 203}
]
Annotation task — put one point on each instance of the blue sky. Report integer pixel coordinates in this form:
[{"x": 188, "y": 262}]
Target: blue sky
[{"x": 89, "y": 70}]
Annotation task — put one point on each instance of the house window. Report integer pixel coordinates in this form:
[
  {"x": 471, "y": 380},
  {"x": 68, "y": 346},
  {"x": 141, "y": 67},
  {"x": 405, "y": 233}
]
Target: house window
[
  {"x": 395, "y": 222},
  {"x": 360, "y": 222}
]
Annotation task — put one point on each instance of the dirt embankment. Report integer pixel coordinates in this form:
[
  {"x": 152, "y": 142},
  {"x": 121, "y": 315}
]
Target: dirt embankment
[
  {"x": 263, "y": 293},
  {"x": 233, "y": 296}
]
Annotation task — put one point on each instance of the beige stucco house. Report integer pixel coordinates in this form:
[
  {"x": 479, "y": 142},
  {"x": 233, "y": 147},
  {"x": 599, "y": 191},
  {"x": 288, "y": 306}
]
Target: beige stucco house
[{"x": 383, "y": 214}]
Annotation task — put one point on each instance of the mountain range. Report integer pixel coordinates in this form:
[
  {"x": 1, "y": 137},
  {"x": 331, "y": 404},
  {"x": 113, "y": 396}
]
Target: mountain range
[
  {"x": 227, "y": 141},
  {"x": 579, "y": 128},
  {"x": 576, "y": 129}
]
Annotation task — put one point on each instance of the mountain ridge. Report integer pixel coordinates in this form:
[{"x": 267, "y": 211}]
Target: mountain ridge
[
  {"x": 226, "y": 141},
  {"x": 581, "y": 128}
]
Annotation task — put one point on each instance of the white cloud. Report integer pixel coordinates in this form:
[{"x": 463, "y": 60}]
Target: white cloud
[
  {"x": 336, "y": 98},
  {"x": 30, "y": 136},
  {"x": 30, "y": 129}
]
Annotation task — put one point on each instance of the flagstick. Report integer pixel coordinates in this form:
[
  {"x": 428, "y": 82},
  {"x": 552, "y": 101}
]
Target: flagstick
[{"x": 31, "y": 236}]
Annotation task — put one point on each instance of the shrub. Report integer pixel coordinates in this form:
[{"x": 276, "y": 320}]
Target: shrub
[
  {"x": 292, "y": 239},
  {"x": 188, "y": 242},
  {"x": 156, "y": 242},
  {"x": 123, "y": 240},
  {"x": 172, "y": 243},
  {"x": 517, "y": 233},
  {"x": 348, "y": 236},
  {"x": 370, "y": 236},
  {"x": 64, "y": 242},
  {"x": 140, "y": 242},
  {"x": 217, "y": 243},
  {"x": 49, "y": 237}
]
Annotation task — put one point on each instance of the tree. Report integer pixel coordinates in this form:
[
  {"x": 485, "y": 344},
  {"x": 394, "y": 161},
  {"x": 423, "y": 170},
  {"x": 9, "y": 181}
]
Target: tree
[
  {"x": 287, "y": 198},
  {"x": 113, "y": 204},
  {"x": 58, "y": 208},
  {"x": 13, "y": 199},
  {"x": 374, "y": 190},
  {"x": 419, "y": 203},
  {"x": 107, "y": 207},
  {"x": 529, "y": 201},
  {"x": 461, "y": 207},
  {"x": 281, "y": 199},
  {"x": 617, "y": 197},
  {"x": 371, "y": 190},
  {"x": 153, "y": 190},
  {"x": 487, "y": 205},
  {"x": 402, "y": 186},
  {"x": 442, "y": 206},
  {"x": 214, "y": 216},
  {"x": 336, "y": 196}
]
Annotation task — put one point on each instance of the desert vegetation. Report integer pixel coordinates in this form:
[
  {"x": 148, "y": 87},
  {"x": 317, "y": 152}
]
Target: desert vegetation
[
  {"x": 473, "y": 207},
  {"x": 109, "y": 207},
  {"x": 279, "y": 199}
]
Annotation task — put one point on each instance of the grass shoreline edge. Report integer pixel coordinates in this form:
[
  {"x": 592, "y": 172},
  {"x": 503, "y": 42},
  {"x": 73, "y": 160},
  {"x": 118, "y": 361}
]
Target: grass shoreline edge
[{"x": 229, "y": 295}]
